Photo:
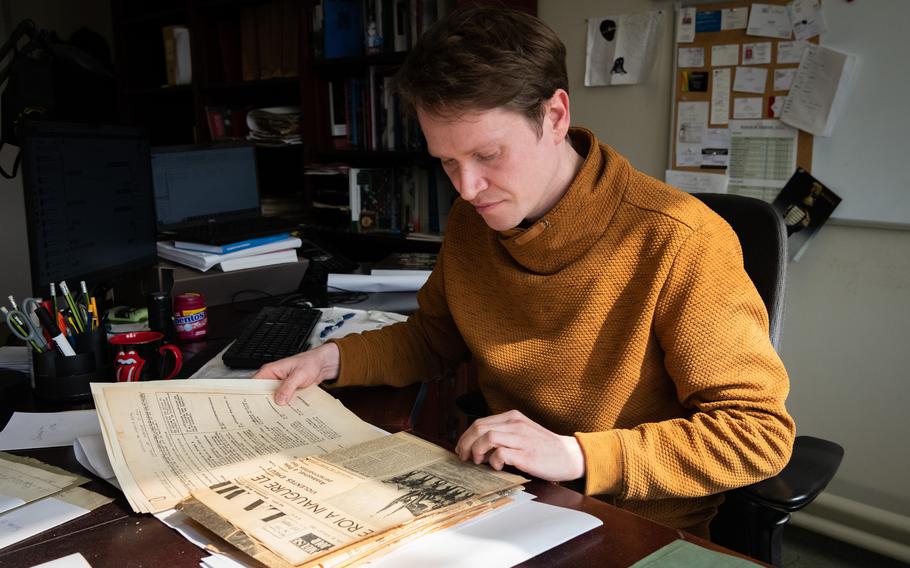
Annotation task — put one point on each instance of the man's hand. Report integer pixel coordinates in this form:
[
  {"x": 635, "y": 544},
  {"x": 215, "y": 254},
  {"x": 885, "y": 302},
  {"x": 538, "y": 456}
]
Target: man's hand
[
  {"x": 302, "y": 370},
  {"x": 514, "y": 439}
]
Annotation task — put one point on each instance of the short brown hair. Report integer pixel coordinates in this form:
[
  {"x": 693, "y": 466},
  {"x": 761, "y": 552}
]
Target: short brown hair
[{"x": 481, "y": 58}]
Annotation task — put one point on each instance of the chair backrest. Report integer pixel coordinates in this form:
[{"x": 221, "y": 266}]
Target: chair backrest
[{"x": 763, "y": 238}]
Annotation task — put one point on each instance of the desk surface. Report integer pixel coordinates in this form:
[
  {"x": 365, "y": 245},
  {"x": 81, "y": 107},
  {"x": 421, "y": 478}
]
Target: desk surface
[{"x": 114, "y": 536}]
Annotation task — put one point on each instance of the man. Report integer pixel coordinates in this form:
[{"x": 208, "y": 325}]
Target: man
[{"x": 617, "y": 338}]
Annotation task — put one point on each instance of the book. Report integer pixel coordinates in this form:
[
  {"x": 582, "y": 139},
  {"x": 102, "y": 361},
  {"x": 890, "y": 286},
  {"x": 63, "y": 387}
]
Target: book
[
  {"x": 225, "y": 249},
  {"x": 805, "y": 204},
  {"x": 203, "y": 261},
  {"x": 256, "y": 260},
  {"x": 342, "y": 29},
  {"x": 178, "y": 61},
  {"x": 249, "y": 43}
]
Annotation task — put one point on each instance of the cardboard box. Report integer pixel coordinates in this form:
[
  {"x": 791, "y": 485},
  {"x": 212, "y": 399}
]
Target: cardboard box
[{"x": 225, "y": 287}]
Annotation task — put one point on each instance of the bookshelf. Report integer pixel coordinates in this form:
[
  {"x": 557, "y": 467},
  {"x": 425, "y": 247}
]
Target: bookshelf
[{"x": 250, "y": 54}]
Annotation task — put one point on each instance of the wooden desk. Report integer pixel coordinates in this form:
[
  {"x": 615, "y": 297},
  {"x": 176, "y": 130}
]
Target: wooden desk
[{"x": 113, "y": 536}]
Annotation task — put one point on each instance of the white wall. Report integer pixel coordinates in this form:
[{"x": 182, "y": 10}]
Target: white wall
[
  {"x": 845, "y": 339},
  {"x": 63, "y": 17}
]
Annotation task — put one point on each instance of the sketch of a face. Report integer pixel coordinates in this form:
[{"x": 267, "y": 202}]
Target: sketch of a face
[{"x": 608, "y": 29}]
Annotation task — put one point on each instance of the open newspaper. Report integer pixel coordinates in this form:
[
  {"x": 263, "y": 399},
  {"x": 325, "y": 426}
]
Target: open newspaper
[
  {"x": 349, "y": 505},
  {"x": 256, "y": 480},
  {"x": 167, "y": 438}
]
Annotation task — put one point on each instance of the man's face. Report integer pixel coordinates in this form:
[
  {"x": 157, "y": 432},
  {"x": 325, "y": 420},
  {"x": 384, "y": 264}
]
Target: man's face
[{"x": 497, "y": 163}]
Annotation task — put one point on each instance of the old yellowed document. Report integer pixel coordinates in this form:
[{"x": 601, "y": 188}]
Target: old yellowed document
[
  {"x": 344, "y": 506},
  {"x": 167, "y": 438},
  {"x": 23, "y": 480}
]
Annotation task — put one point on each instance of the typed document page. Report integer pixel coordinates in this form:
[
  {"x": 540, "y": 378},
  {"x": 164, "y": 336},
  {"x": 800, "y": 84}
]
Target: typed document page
[{"x": 167, "y": 438}]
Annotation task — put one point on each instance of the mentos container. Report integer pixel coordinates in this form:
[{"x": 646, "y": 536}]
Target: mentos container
[{"x": 190, "y": 317}]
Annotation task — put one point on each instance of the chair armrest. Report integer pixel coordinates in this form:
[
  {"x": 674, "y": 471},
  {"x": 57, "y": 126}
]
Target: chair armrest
[{"x": 812, "y": 465}]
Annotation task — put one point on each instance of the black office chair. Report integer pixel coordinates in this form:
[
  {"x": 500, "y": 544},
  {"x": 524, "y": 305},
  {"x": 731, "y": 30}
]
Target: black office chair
[{"x": 752, "y": 518}]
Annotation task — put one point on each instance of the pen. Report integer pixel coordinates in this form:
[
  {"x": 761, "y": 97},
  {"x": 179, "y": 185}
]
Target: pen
[
  {"x": 335, "y": 325},
  {"x": 54, "y": 298},
  {"x": 56, "y": 335},
  {"x": 12, "y": 302},
  {"x": 93, "y": 308},
  {"x": 77, "y": 323}
]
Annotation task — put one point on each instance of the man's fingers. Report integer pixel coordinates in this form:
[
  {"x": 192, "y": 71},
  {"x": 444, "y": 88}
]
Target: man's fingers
[
  {"x": 493, "y": 440},
  {"x": 502, "y": 457}
]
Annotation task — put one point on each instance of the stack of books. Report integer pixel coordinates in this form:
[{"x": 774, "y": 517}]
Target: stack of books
[{"x": 250, "y": 253}]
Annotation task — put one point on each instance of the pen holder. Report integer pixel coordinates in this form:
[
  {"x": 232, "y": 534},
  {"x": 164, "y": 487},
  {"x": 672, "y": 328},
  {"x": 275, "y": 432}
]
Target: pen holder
[{"x": 61, "y": 378}]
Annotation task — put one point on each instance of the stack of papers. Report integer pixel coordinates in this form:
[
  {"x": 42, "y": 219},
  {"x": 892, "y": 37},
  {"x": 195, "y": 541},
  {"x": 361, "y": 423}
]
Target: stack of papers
[
  {"x": 276, "y": 252},
  {"x": 274, "y": 125},
  {"x": 35, "y": 496},
  {"x": 396, "y": 477}
]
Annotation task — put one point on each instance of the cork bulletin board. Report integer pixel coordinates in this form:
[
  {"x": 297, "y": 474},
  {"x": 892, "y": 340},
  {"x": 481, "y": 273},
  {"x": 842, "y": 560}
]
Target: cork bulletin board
[{"x": 729, "y": 52}]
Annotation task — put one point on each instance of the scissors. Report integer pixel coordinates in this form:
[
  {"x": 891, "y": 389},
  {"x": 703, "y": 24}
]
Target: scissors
[{"x": 21, "y": 325}]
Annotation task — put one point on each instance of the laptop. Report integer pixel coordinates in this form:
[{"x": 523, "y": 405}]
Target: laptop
[{"x": 210, "y": 194}]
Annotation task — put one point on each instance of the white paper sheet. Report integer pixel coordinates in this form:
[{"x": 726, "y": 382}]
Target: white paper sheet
[
  {"x": 371, "y": 283},
  {"x": 757, "y": 53},
  {"x": 777, "y": 105},
  {"x": 620, "y": 49},
  {"x": 716, "y": 149},
  {"x": 685, "y": 25},
  {"x": 692, "y": 122},
  {"x": 762, "y": 157},
  {"x": 790, "y": 51},
  {"x": 750, "y": 79},
  {"x": 691, "y": 57},
  {"x": 72, "y": 561},
  {"x": 725, "y": 55},
  {"x": 91, "y": 454},
  {"x": 720, "y": 96},
  {"x": 747, "y": 107},
  {"x": 499, "y": 539},
  {"x": 807, "y": 18},
  {"x": 769, "y": 20},
  {"x": 783, "y": 78},
  {"x": 819, "y": 90},
  {"x": 734, "y": 18},
  {"x": 47, "y": 429},
  {"x": 697, "y": 182},
  {"x": 29, "y": 520}
]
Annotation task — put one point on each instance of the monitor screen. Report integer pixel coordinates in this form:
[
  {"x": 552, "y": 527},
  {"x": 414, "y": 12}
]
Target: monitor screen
[
  {"x": 198, "y": 183},
  {"x": 88, "y": 202}
]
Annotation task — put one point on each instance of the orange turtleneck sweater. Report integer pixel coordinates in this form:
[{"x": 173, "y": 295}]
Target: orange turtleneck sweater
[{"x": 623, "y": 316}]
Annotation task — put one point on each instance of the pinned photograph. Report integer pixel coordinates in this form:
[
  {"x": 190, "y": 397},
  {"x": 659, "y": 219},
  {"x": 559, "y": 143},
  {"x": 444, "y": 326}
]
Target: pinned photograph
[{"x": 805, "y": 204}]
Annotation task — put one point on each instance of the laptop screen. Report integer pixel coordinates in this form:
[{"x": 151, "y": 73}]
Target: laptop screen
[{"x": 198, "y": 183}]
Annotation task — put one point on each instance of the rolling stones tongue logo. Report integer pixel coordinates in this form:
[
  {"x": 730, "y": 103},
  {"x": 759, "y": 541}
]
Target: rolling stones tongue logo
[{"x": 129, "y": 366}]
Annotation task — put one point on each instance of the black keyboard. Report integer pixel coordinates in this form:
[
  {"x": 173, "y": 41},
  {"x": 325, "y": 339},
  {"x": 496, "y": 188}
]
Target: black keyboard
[{"x": 275, "y": 333}]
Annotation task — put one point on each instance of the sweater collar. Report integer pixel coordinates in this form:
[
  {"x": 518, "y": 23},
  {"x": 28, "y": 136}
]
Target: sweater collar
[{"x": 577, "y": 220}]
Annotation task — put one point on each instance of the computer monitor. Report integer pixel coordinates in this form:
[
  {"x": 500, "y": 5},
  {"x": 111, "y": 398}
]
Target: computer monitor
[
  {"x": 88, "y": 202},
  {"x": 196, "y": 184}
]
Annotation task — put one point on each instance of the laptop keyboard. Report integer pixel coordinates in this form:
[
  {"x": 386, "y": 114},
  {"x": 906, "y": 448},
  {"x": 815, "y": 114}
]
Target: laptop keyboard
[
  {"x": 224, "y": 232},
  {"x": 276, "y": 332}
]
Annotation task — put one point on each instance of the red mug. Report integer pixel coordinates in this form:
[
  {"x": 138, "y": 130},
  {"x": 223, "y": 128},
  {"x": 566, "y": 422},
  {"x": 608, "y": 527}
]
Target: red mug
[{"x": 141, "y": 356}]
